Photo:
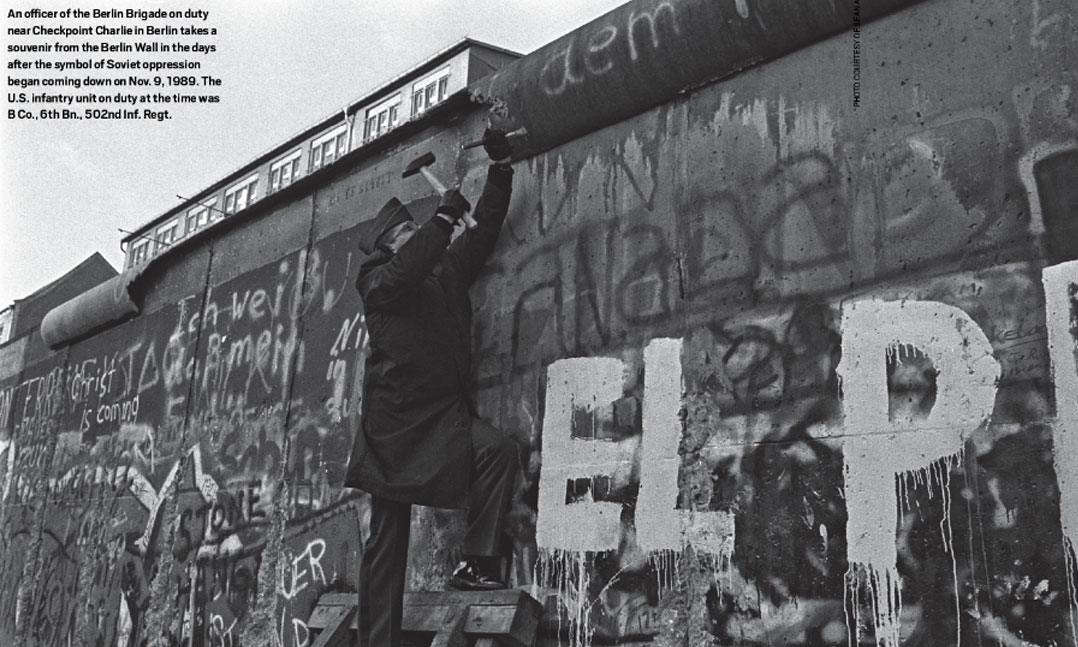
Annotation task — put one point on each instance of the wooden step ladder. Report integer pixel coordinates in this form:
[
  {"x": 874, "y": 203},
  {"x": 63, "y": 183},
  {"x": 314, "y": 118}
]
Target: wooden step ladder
[{"x": 506, "y": 618}]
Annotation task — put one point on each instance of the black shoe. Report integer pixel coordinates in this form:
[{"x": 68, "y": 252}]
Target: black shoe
[{"x": 468, "y": 577}]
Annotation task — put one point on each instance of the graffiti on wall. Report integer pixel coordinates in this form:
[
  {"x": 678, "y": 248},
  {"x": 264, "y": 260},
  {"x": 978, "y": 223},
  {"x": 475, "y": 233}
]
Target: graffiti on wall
[
  {"x": 574, "y": 302},
  {"x": 163, "y": 470},
  {"x": 888, "y": 453},
  {"x": 749, "y": 411}
]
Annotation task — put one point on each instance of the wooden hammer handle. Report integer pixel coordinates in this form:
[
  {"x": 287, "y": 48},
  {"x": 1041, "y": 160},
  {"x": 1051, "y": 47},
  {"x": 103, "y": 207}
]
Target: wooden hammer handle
[{"x": 469, "y": 221}]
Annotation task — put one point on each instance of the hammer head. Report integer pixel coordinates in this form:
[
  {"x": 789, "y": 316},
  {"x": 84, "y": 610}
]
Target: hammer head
[{"x": 426, "y": 159}]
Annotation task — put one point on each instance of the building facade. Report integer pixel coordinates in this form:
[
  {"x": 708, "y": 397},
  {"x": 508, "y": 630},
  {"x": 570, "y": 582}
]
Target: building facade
[{"x": 407, "y": 97}]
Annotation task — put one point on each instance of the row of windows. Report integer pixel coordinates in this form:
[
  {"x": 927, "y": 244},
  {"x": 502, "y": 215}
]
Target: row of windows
[
  {"x": 382, "y": 118},
  {"x": 327, "y": 148},
  {"x": 284, "y": 172},
  {"x": 201, "y": 215},
  {"x": 425, "y": 93},
  {"x": 430, "y": 94},
  {"x": 238, "y": 197}
]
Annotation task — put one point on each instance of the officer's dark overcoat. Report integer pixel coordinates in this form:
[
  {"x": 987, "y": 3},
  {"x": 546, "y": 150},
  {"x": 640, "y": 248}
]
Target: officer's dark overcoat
[{"x": 414, "y": 444}]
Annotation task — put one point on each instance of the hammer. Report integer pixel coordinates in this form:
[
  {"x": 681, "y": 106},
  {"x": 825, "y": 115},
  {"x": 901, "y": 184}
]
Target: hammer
[
  {"x": 419, "y": 165},
  {"x": 479, "y": 142}
]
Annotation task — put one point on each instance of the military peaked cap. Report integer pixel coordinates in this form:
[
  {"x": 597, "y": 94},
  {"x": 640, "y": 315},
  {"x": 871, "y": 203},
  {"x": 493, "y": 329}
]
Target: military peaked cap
[{"x": 389, "y": 216}]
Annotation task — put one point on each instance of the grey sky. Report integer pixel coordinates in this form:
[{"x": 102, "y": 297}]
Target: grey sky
[{"x": 68, "y": 186}]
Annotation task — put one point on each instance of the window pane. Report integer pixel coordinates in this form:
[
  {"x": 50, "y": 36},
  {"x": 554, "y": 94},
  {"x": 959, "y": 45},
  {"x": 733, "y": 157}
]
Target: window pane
[
  {"x": 393, "y": 114},
  {"x": 430, "y": 95},
  {"x": 443, "y": 87}
]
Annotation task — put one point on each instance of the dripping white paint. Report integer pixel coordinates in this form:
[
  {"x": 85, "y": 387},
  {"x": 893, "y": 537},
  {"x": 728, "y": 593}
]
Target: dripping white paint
[{"x": 882, "y": 457}]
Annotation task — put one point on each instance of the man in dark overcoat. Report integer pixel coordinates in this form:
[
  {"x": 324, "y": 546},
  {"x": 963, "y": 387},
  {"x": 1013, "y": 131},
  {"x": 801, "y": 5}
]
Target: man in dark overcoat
[{"x": 421, "y": 440}]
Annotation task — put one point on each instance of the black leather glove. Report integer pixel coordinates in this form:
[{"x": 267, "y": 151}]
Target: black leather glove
[
  {"x": 496, "y": 144},
  {"x": 453, "y": 205}
]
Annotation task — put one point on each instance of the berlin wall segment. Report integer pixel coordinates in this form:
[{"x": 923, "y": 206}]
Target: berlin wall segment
[{"x": 711, "y": 271}]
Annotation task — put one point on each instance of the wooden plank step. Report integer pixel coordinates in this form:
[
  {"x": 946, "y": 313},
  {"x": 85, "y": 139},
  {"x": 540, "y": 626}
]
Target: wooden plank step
[
  {"x": 501, "y": 596},
  {"x": 338, "y": 599},
  {"x": 478, "y": 619},
  {"x": 511, "y": 615},
  {"x": 335, "y": 633},
  {"x": 326, "y": 607},
  {"x": 450, "y": 632},
  {"x": 514, "y": 627},
  {"x": 508, "y": 618}
]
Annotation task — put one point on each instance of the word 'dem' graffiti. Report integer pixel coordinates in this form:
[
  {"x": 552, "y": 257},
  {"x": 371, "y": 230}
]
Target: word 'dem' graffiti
[{"x": 883, "y": 456}]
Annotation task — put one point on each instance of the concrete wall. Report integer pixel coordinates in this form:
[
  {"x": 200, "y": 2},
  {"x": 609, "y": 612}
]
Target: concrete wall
[{"x": 834, "y": 381}]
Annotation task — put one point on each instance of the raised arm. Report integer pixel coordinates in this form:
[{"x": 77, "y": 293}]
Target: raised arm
[
  {"x": 470, "y": 251},
  {"x": 385, "y": 285}
]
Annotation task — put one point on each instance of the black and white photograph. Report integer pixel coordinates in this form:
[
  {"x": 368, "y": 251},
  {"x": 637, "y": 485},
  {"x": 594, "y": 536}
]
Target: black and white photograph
[{"x": 539, "y": 323}]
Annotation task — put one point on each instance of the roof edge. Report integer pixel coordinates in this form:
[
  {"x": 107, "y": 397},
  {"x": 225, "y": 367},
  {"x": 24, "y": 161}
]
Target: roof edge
[{"x": 320, "y": 124}]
